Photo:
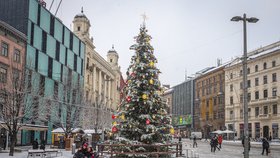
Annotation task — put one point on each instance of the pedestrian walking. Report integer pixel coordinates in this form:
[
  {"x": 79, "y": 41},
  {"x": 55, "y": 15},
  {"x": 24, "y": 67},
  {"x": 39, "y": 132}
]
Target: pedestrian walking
[
  {"x": 265, "y": 146},
  {"x": 220, "y": 140},
  {"x": 194, "y": 142},
  {"x": 213, "y": 143}
]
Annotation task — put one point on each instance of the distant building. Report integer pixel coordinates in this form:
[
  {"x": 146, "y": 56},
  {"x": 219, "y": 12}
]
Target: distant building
[
  {"x": 167, "y": 95},
  {"x": 182, "y": 106},
  {"x": 12, "y": 65},
  {"x": 209, "y": 100},
  {"x": 263, "y": 94},
  {"x": 102, "y": 79},
  {"x": 54, "y": 62}
]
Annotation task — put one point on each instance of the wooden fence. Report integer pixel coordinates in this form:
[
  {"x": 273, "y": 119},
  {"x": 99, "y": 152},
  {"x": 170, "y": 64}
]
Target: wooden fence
[{"x": 164, "y": 149}]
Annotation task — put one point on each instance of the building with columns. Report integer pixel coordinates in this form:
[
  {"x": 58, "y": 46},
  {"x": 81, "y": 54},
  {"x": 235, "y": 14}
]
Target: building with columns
[
  {"x": 263, "y": 97},
  {"x": 102, "y": 79}
]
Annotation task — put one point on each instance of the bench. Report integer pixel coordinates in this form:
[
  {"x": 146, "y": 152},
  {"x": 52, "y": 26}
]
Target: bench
[
  {"x": 35, "y": 153},
  {"x": 43, "y": 153}
]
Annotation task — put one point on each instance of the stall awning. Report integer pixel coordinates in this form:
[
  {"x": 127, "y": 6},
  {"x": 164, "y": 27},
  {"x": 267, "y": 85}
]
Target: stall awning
[
  {"x": 29, "y": 127},
  {"x": 60, "y": 130}
]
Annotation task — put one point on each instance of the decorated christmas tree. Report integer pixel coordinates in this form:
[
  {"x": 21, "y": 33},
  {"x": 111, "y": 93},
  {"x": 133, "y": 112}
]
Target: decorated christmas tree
[{"x": 142, "y": 115}]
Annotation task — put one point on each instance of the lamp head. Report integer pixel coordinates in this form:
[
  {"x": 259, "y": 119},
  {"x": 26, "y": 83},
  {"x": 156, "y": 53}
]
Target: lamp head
[
  {"x": 236, "y": 18},
  {"x": 252, "y": 20}
]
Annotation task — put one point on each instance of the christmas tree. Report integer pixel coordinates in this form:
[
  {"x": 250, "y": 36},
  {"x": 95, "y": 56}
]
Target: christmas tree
[{"x": 142, "y": 115}]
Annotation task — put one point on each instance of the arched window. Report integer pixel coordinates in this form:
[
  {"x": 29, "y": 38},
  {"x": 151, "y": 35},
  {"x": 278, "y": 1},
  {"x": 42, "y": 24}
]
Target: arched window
[{"x": 264, "y": 66}]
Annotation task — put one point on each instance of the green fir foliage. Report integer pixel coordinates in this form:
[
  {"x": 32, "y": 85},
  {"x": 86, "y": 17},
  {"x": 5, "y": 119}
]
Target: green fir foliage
[{"x": 142, "y": 115}]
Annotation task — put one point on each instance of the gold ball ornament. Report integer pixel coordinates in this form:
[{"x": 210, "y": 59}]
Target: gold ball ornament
[
  {"x": 152, "y": 64},
  {"x": 114, "y": 123},
  {"x": 144, "y": 96},
  {"x": 151, "y": 81},
  {"x": 122, "y": 117},
  {"x": 172, "y": 131}
]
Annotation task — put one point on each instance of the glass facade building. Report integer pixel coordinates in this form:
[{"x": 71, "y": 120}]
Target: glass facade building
[{"x": 54, "y": 56}]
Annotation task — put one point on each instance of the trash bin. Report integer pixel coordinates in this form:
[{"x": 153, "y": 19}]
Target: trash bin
[{"x": 73, "y": 148}]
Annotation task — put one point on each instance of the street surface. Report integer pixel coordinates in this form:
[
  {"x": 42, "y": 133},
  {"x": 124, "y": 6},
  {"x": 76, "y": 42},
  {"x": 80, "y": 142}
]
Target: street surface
[{"x": 229, "y": 150}]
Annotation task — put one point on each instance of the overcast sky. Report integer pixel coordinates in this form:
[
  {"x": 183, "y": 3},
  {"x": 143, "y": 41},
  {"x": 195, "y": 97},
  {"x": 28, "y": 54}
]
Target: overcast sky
[{"x": 188, "y": 35}]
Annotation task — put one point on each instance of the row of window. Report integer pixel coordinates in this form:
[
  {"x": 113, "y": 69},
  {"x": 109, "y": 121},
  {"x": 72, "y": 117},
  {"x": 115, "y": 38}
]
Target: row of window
[
  {"x": 5, "y": 52},
  {"x": 258, "y": 110},
  {"x": 257, "y": 95},
  {"x": 216, "y": 115},
  {"x": 4, "y": 74},
  {"x": 273, "y": 64},
  {"x": 265, "y": 81}
]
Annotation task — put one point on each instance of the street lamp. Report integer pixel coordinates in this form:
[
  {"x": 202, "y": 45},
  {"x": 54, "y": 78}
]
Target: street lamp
[{"x": 245, "y": 88}]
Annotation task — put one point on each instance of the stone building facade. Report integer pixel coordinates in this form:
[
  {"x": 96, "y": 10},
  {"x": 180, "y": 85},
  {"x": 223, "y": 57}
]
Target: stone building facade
[
  {"x": 102, "y": 78},
  {"x": 209, "y": 101},
  {"x": 263, "y": 95}
]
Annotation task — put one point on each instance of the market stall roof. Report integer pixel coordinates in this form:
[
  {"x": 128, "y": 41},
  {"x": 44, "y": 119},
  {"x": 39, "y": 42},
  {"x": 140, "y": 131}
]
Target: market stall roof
[
  {"x": 29, "y": 127},
  {"x": 228, "y": 131},
  {"x": 217, "y": 132},
  {"x": 92, "y": 131},
  {"x": 60, "y": 130}
]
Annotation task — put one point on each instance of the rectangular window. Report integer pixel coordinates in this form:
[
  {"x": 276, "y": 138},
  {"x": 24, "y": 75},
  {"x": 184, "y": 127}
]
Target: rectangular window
[
  {"x": 71, "y": 41},
  {"x": 207, "y": 116},
  {"x": 249, "y": 83},
  {"x": 241, "y": 98},
  {"x": 44, "y": 41},
  {"x": 57, "y": 51},
  {"x": 273, "y": 63},
  {"x": 274, "y": 77},
  {"x": 241, "y": 113},
  {"x": 274, "y": 92},
  {"x": 231, "y": 100},
  {"x": 36, "y": 59},
  {"x": 257, "y": 95},
  {"x": 231, "y": 87},
  {"x": 241, "y": 85},
  {"x": 52, "y": 25},
  {"x": 249, "y": 112},
  {"x": 17, "y": 56},
  {"x": 265, "y": 79},
  {"x": 5, "y": 49},
  {"x": 50, "y": 67},
  {"x": 241, "y": 73},
  {"x": 231, "y": 115},
  {"x": 274, "y": 109},
  {"x": 256, "y": 81},
  {"x": 3, "y": 74},
  {"x": 32, "y": 34},
  {"x": 215, "y": 101},
  {"x": 265, "y": 93},
  {"x": 265, "y": 110},
  {"x": 75, "y": 62},
  {"x": 257, "y": 111},
  {"x": 249, "y": 97}
]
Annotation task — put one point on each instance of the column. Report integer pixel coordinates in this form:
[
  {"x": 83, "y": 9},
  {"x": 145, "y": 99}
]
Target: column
[
  {"x": 94, "y": 82},
  {"x": 100, "y": 84},
  {"x": 109, "y": 93},
  {"x": 105, "y": 88}
]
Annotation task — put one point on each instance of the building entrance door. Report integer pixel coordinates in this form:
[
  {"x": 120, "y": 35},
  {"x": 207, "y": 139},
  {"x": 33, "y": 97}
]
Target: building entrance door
[{"x": 265, "y": 131}]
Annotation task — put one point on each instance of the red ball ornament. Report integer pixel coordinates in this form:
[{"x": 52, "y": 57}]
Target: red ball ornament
[
  {"x": 148, "y": 121},
  {"x": 128, "y": 98},
  {"x": 113, "y": 116},
  {"x": 114, "y": 129}
]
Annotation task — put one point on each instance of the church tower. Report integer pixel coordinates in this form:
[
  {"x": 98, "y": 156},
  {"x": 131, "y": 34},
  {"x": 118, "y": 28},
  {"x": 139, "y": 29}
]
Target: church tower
[
  {"x": 112, "y": 58},
  {"x": 81, "y": 25}
]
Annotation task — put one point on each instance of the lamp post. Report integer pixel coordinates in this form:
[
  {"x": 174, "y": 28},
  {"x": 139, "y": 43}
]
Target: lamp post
[{"x": 245, "y": 88}]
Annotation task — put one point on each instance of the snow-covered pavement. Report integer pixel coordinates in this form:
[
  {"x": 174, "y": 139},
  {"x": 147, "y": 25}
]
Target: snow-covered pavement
[{"x": 229, "y": 149}]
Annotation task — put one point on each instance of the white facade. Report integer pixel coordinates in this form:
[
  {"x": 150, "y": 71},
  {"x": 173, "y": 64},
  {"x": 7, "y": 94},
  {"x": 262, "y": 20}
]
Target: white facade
[
  {"x": 263, "y": 95},
  {"x": 101, "y": 81}
]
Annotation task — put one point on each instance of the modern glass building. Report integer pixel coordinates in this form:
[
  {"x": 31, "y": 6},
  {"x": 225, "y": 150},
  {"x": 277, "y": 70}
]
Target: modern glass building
[{"x": 54, "y": 63}]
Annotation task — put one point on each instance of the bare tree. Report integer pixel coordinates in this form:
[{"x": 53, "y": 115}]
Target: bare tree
[
  {"x": 64, "y": 107},
  {"x": 18, "y": 102}
]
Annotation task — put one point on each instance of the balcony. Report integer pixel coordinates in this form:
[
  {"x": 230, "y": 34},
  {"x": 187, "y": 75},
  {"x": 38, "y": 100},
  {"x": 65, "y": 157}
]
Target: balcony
[{"x": 264, "y": 116}]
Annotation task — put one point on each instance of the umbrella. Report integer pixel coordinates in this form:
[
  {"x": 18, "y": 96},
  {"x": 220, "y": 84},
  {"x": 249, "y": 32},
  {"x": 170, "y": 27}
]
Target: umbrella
[
  {"x": 217, "y": 132},
  {"x": 228, "y": 131}
]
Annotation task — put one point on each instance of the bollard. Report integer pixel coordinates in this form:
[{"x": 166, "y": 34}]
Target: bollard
[
  {"x": 73, "y": 148},
  {"x": 180, "y": 148},
  {"x": 187, "y": 153},
  {"x": 192, "y": 153}
]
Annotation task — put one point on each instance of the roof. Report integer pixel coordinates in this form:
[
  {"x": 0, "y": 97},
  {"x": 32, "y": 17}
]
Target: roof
[
  {"x": 13, "y": 30},
  {"x": 81, "y": 15},
  {"x": 30, "y": 127},
  {"x": 60, "y": 130}
]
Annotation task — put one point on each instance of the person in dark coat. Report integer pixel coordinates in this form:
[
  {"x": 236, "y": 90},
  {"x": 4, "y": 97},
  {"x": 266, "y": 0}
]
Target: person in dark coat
[
  {"x": 35, "y": 144},
  {"x": 79, "y": 154},
  {"x": 213, "y": 143},
  {"x": 265, "y": 146},
  {"x": 194, "y": 142},
  {"x": 43, "y": 145}
]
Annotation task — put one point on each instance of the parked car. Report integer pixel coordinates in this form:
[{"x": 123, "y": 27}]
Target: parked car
[{"x": 198, "y": 135}]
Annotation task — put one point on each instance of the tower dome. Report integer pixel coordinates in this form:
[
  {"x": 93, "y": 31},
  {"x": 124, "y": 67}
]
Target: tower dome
[
  {"x": 81, "y": 24},
  {"x": 112, "y": 57}
]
